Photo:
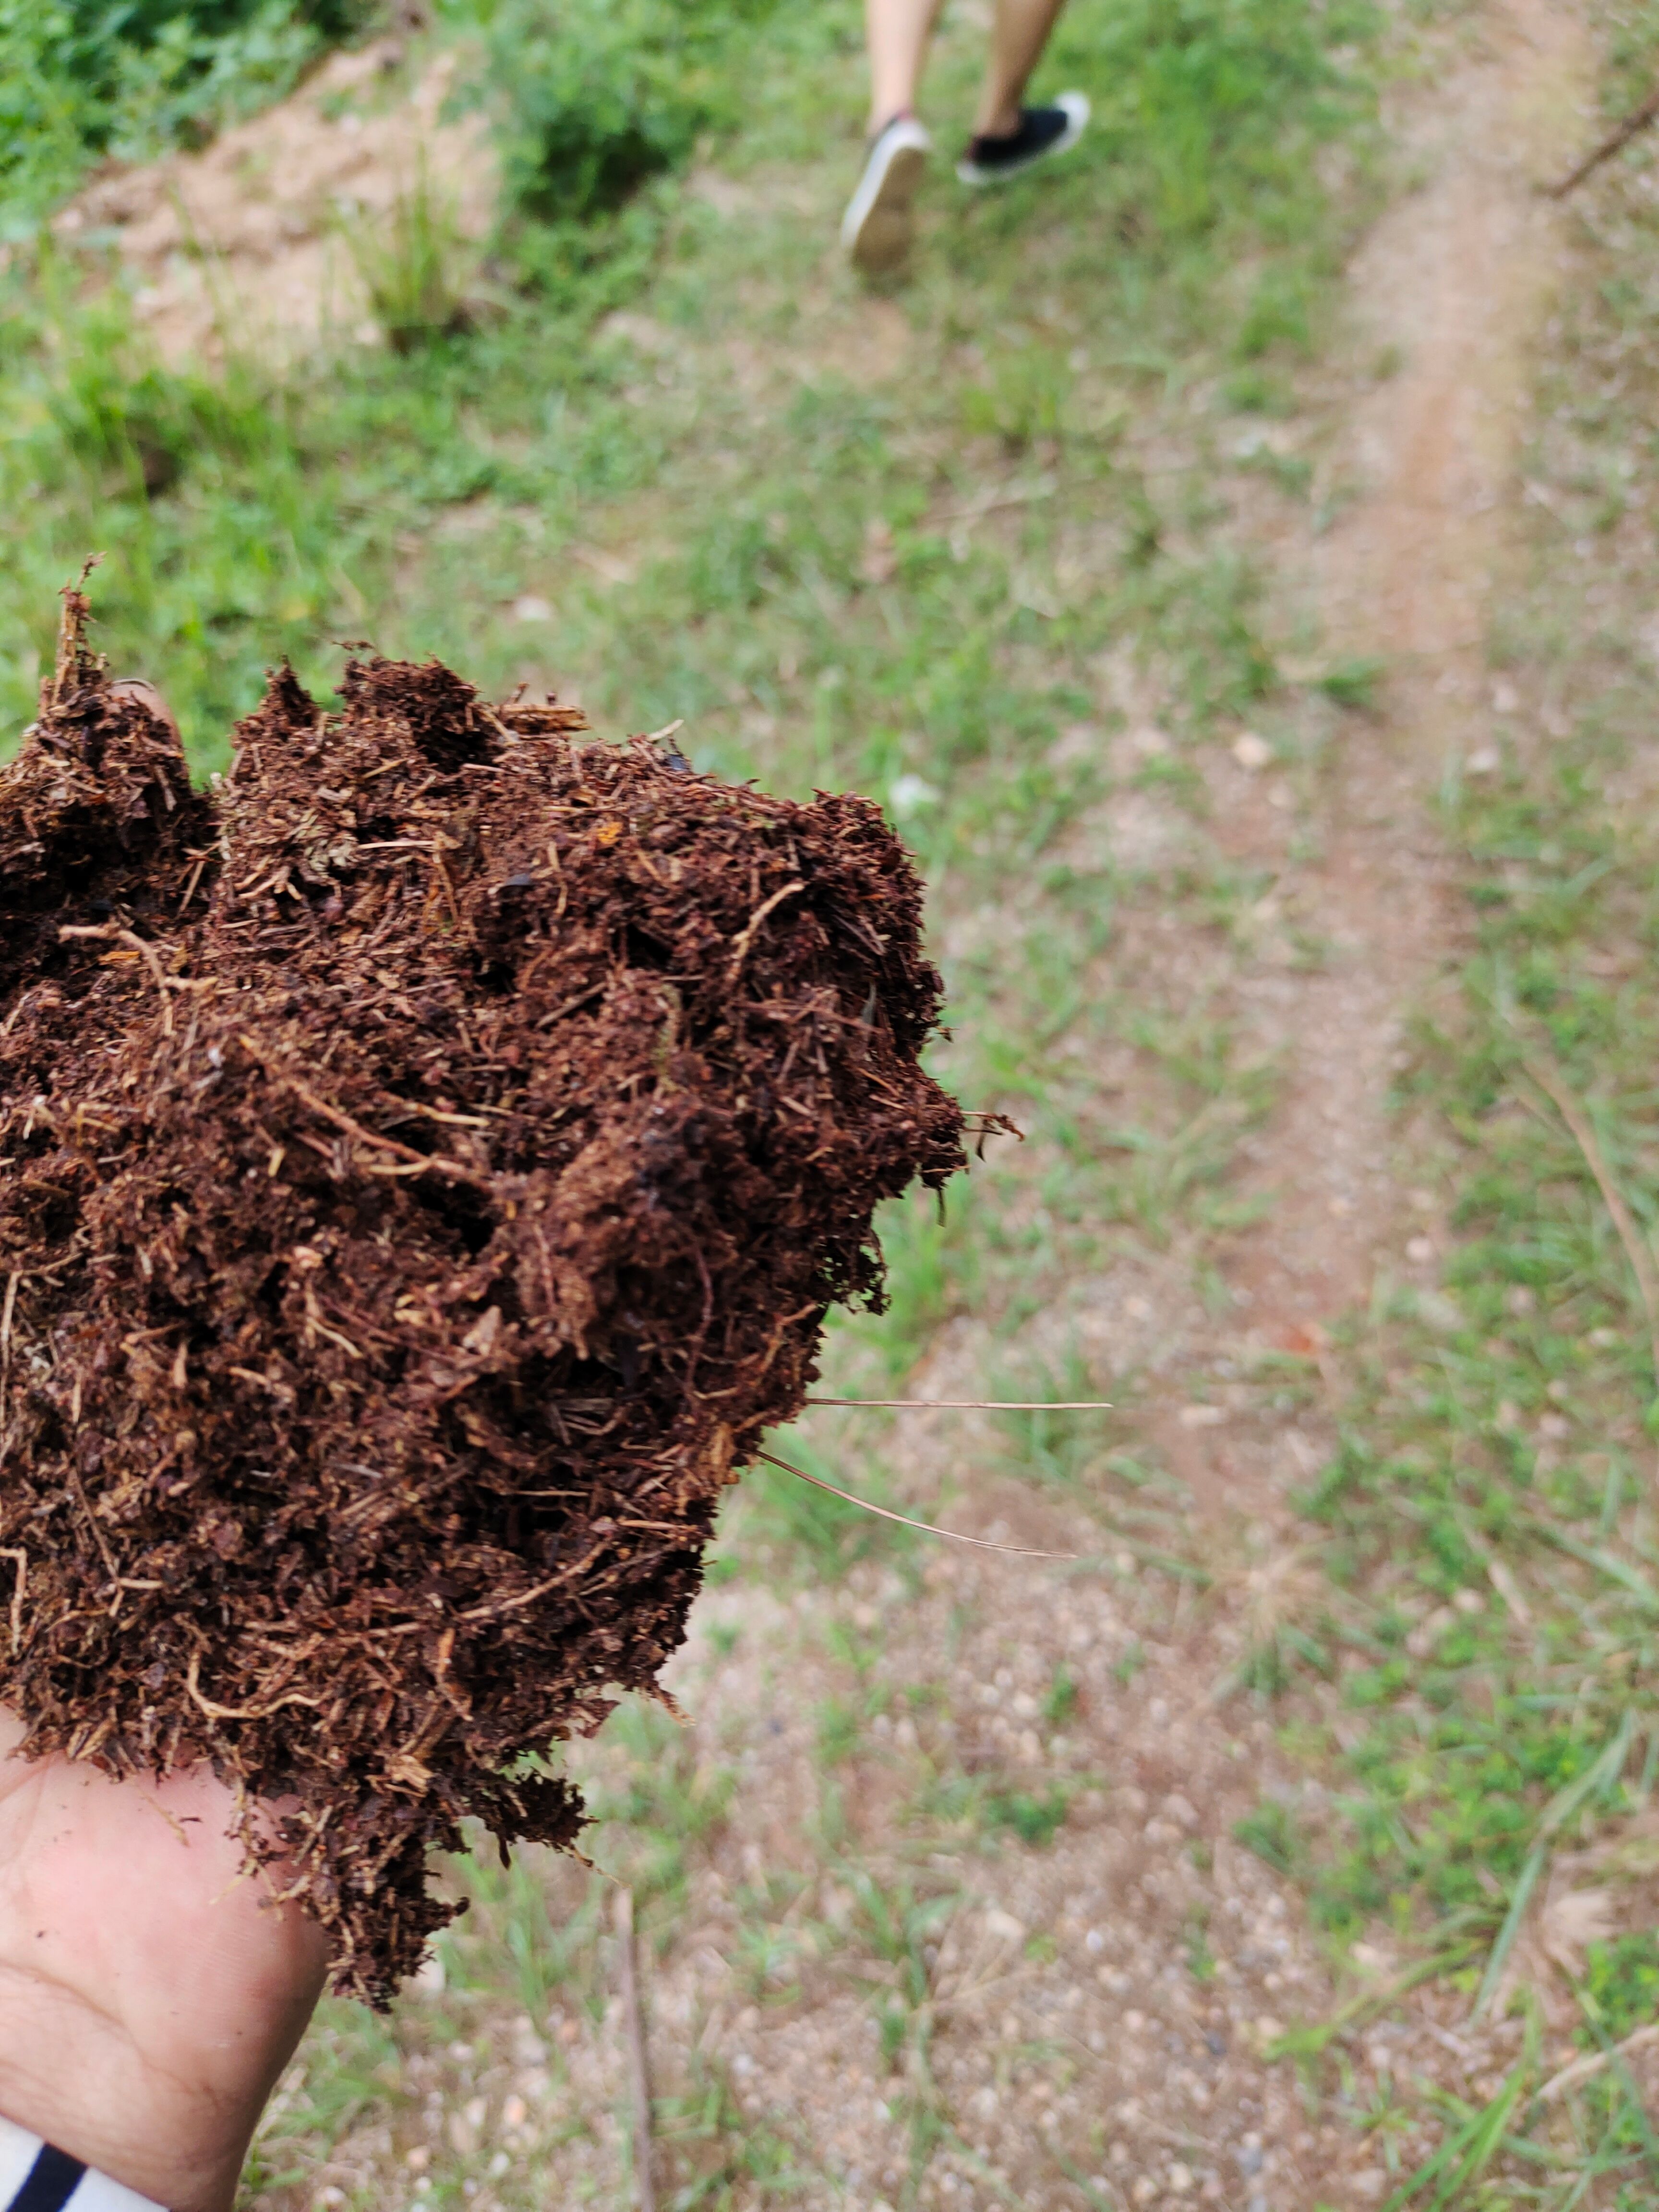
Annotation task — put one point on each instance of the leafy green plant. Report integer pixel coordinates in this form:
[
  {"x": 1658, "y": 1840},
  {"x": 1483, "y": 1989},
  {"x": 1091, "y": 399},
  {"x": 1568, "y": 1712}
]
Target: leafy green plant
[
  {"x": 599, "y": 96},
  {"x": 133, "y": 426},
  {"x": 80, "y": 78}
]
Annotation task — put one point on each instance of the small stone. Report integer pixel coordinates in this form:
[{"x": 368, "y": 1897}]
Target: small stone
[
  {"x": 910, "y": 793},
  {"x": 1483, "y": 760},
  {"x": 1179, "y": 2179},
  {"x": 530, "y": 607},
  {"x": 1251, "y": 751},
  {"x": 1420, "y": 1249},
  {"x": 1201, "y": 1417},
  {"x": 514, "y": 2112},
  {"x": 417, "y": 2160}
]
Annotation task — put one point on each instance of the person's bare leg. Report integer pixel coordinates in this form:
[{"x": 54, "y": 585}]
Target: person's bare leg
[
  {"x": 1017, "y": 37},
  {"x": 896, "y": 32}
]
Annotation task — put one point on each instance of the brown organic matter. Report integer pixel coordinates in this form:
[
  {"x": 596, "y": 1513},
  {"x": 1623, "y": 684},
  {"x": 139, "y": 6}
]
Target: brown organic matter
[{"x": 426, "y": 1164}]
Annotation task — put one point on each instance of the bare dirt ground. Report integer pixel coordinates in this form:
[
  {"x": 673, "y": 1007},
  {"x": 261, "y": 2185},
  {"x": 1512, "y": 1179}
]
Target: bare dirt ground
[{"x": 253, "y": 234}]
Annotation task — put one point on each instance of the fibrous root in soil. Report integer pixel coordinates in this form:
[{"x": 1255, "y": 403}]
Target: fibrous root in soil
[{"x": 426, "y": 1162}]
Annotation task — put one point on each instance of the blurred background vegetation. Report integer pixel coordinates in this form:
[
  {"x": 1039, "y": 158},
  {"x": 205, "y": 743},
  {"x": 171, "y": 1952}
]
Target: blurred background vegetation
[{"x": 246, "y": 514}]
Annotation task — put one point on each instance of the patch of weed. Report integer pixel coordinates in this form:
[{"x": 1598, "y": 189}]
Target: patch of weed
[
  {"x": 1620, "y": 1987},
  {"x": 1036, "y": 1816}
]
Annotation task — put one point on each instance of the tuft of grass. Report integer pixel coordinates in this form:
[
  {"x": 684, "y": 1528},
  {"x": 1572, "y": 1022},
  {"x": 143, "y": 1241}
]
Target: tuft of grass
[
  {"x": 1272, "y": 1833},
  {"x": 417, "y": 268},
  {"x": 1352, "y": 683},
  {"x": 1036, "y": 1816},
  {"x": 1620, "y": 1989},
  {"x": 350, "y": 2065}
]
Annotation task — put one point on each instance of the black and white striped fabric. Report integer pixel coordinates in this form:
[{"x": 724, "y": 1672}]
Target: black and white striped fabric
[{"x": 35, "y": 2178}]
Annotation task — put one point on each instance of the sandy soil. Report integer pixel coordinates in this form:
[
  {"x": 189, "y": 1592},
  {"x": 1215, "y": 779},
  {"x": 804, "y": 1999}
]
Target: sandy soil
[{"x": 254, "y": 233}]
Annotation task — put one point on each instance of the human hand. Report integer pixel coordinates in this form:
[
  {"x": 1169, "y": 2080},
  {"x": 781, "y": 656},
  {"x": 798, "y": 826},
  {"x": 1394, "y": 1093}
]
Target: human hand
[{"x": 149, "y": 1998}]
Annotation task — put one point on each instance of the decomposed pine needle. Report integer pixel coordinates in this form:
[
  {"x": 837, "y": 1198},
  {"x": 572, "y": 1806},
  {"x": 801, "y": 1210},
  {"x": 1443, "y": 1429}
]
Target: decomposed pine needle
[{"x": 976, "y": 1404}]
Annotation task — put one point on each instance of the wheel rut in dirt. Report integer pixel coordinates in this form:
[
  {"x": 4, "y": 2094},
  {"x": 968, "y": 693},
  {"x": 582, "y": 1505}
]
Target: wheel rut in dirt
[{"x": 1452, "y": 285}]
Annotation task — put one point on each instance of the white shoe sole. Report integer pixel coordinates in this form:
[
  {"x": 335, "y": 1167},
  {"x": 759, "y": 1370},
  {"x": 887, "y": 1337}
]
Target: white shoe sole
[
  {"x": 880, "y": 219},
  {"x": 1075, "y": 107}
]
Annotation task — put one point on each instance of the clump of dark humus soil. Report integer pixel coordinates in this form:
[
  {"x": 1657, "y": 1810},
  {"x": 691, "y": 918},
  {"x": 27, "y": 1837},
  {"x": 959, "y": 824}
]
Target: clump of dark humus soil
[{"x": 425, "y": 1163}]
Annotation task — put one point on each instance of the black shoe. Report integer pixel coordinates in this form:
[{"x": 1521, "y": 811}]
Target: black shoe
[{"x": 1042, "y": 132}]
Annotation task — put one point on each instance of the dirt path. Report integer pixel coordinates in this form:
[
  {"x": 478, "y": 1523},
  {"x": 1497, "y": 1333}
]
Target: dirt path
[{"x": 1452, "y": 285}]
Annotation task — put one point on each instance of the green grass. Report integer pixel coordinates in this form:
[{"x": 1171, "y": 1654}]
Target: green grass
[
  {"x": 915, "y": 581},
  {"x": 1491, "y": 1629}
]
